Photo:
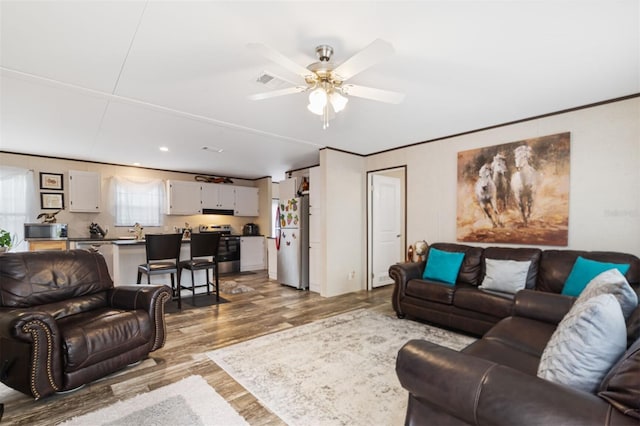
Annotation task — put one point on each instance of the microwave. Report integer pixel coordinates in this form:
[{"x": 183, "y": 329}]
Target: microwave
[{"x": 45, "y": 231}]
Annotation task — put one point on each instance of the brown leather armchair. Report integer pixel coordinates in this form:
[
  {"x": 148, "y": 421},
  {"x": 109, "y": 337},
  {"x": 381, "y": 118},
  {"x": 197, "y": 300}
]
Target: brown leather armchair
[{"x": 63, "y": 323}]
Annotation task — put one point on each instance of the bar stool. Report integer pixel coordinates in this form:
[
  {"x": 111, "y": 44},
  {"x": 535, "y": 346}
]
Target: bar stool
[
  {"x": 163, "y": 257},
  {"x": 204, "y": 255}
]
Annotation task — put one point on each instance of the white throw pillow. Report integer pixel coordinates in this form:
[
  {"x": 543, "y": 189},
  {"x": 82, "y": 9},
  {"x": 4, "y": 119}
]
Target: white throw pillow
[
  {"x": 507, "y": 276},
  {"x": 586, "y": 344},
  {"x": 612, "y": 282}
]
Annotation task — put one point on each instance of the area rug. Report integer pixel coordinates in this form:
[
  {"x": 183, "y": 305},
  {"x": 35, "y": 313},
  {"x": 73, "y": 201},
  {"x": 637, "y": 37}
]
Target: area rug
[
  {"x": 336, "y": 371},
  {"x": 234, "y": 287},
  {"x": 190, "y": 401}
]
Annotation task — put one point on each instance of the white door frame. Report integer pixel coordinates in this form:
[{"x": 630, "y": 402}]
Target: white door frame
[{"x": 403, "y": 202}]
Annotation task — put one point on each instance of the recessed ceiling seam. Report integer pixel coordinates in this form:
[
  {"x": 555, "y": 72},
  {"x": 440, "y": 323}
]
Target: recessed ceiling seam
[{"x": 118, "y": 98}]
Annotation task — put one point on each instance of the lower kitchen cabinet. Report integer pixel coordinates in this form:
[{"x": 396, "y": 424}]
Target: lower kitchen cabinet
[
  {"x": 252, "y": 253},
  {"x": 47, "y": 245}
]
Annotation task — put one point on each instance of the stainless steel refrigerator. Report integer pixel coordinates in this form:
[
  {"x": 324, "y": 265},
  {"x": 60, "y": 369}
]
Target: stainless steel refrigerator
[{"x": 292, "y": 240}]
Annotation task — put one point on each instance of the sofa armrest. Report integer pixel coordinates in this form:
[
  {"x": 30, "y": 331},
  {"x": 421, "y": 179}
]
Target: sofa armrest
[
  {"x": 148, "y": 298},
  {"x": 478, "y": 391},
  {"x": 33, "y": 335},
  {"x": 402, "y": 273},
  {"x": 542, "y": 306}
]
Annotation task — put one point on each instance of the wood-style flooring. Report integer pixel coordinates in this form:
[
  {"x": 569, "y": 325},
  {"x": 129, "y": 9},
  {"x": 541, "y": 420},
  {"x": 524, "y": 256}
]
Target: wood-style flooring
[{"x": 193, "y": 332}]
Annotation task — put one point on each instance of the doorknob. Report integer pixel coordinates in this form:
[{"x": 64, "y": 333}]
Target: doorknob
[{"x": 398, "y": 236}]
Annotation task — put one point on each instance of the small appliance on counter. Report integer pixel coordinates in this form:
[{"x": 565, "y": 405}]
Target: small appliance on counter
[
  {"x": 45, "y": 231},
  {"x": 250, "y": 229},
  {"x": 96, "y": 231}
]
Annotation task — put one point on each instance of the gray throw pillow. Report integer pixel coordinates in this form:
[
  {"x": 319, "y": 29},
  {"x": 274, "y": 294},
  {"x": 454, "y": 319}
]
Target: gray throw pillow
[
  {"x": 585, "y": 345},
  {"x": 507, "y": 276},
  {"x": 612, "y": 282}
]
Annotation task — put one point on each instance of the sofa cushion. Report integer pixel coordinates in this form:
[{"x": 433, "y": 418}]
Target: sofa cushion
[
  {"x": 584, "y": 270},
  {"x": 430, "y": 290},
  {"x": 586, "y": 344},
  {"x": 443, "y": 266},
  {"x": 471, "y": 268},
  {"x": 508, "y": 276},
  {"x": 555, "y": 266},
  {"x": 621, "y": 386},
  {"x": 503, "y": 354},
  {"x": 94, "y": 336},
  {"x": 517, "y": 254},
  {"x": 496, "y": 304},
  {"x": 524, "y": 334},
  {"x": 612, "y": 282}
]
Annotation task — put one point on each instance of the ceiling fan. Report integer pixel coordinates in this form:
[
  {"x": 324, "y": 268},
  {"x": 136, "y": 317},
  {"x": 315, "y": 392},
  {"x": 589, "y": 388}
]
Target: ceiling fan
[{"x": 326, "y": 82}]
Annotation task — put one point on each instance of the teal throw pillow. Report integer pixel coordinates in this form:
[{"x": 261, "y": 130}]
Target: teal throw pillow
[
  {"x": 443, "y": 266},
  {"x": 584, "y": 270}
]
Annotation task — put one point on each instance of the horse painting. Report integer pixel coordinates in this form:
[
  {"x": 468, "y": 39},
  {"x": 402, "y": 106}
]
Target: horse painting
[
  {"x": 515, "y": 192},
  {"x": 501, "y": 181},
  {"x": 486, "y": 194},
  {"x": 523, "y": 182}
]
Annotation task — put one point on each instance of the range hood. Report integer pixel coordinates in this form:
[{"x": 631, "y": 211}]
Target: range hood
[{"x": 224, "y": 212}]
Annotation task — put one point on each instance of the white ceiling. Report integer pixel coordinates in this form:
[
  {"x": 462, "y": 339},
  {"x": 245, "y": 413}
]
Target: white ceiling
[{"x": 112, "y": 81}]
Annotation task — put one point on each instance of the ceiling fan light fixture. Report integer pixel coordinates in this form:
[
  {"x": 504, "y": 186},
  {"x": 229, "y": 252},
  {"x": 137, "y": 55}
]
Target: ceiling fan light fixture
[
  {"x": 338, "y": 102},
  {"x": 317, "y": 101}
]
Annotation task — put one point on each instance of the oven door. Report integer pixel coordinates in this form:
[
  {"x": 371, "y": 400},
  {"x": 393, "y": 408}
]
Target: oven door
[{"x": 229, "y": 254}]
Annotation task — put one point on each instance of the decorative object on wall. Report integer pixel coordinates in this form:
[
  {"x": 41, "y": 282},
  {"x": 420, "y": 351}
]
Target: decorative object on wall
[
  {"x": 51, "y": 181},
  {"x": 51, "y": 200},
  {"x": 516, "y": 192}
]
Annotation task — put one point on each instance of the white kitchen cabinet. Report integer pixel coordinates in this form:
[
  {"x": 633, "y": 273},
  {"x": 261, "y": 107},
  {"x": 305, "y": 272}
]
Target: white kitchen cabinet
[
  {"x": 183, "y": 197},
  {"x": 252, "y": 253},
  {"x": 218, "y": 196},
  {"x": 85, "y": 191},
  {"x": 246, "y": 201}
]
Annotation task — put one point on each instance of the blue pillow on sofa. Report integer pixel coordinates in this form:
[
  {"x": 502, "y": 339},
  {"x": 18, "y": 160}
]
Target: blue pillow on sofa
[
  {"x": 443, "y": 266},
  {"x": 584, "y": 270}
]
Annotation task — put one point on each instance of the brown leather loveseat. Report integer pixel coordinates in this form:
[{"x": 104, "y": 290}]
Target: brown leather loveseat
[
  {"x": 466, "y": 307},
  {"x": 63, "y": 323}
]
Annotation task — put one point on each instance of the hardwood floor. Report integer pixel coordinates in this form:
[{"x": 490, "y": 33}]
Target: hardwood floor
[{"x": 191, "y": 333}]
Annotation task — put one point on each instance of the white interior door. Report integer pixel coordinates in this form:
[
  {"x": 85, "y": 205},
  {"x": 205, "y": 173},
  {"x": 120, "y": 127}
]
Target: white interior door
[{"x": 386, "y": 235}]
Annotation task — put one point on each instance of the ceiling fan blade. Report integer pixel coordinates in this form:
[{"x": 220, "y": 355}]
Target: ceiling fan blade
[
  {"x": 279, "y": 58},
  {"x": 275, "y": 93},
  {"x": 365, "y": 58},
  {"x": 374, "y": 94}
]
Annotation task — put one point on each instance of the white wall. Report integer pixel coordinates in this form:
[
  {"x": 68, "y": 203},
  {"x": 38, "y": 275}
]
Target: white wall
[
  {"x": 344, "y": 213},
  {"x": 605, "y": 176}
]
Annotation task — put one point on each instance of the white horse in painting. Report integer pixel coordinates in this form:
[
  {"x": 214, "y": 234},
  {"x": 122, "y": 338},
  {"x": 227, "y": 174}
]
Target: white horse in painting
[
  {"x": 486, "y": 194},
  {"x": 499, "y": 177},
  {"x": 523, "y": 182}
]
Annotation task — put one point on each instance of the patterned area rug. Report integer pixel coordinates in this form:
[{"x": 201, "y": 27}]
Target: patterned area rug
[
  {"x": 336, "y": 371},
  {"x": 190, "y": 401},
  {"x": 234, "y": 287}
]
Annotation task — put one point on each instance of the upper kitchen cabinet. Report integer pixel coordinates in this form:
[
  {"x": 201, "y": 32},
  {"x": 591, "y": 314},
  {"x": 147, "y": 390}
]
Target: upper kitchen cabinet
[
  {"x": 85, "y": 191},
  {"x": 183, "y": 197},
  {"x": 218, "y": 196},
  {"x": 247, "y": 201}
]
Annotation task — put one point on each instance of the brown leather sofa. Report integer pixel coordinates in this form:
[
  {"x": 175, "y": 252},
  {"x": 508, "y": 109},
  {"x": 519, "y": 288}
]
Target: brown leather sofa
[
  {"x": 493, "y": 381},
  {"x": 467, "y": 308},
  {"x": 63, "y": 323}
]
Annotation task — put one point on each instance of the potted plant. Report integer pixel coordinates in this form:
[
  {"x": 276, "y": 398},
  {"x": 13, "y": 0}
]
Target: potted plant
[{"x": 5, "y": 241}]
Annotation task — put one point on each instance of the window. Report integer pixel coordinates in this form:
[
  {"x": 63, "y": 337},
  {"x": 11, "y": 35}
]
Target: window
[
  {"x": 17, "y": 205},
  {"x": 138, "y": 201}
]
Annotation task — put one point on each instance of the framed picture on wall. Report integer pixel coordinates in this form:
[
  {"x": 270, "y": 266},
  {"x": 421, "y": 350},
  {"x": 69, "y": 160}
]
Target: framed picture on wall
[
  {"x": 51, "y": 181},
  {"x": 51, "y": 200}
]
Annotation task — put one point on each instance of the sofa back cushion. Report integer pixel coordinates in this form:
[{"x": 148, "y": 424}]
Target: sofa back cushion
[
  {"x": 556, "y": 265},
  {"x": 471, "y": 268},
  {"x": 517, "y": 254},
  {"x": 621, "y": 386},
  {"x": 37, "y": 278}
]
